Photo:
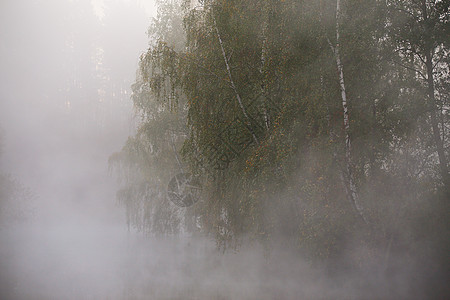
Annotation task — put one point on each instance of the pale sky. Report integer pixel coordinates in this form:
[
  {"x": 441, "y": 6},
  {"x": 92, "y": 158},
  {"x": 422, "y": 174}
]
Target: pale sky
[{"x": 149, "y": 7}]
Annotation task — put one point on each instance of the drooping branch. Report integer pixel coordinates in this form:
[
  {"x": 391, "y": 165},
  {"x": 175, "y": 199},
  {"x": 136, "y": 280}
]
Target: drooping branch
[{"x": 172, "y": 142}]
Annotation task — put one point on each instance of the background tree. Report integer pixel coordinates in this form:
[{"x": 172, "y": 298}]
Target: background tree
[
  {"x": 419, "y": 30},
  {"x": 150, "y": 159}
]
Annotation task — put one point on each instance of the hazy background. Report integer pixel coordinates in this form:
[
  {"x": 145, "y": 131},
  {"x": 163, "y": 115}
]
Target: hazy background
[{"x": 65, "y": 73}]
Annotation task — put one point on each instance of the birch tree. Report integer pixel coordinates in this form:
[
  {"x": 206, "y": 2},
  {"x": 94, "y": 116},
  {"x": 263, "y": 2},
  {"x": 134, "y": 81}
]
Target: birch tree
[{"x": 347, "y": 176}]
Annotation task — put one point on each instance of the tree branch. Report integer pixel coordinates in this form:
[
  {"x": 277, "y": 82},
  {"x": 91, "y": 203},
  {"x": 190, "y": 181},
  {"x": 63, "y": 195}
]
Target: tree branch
[
  {"x": 410, "y": 68},
  {"x": 233, "y": 86}
]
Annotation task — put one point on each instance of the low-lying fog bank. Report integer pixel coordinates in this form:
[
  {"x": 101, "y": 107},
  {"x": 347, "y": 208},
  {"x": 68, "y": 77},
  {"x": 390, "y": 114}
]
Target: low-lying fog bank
[{"x": 76, "y": 258}]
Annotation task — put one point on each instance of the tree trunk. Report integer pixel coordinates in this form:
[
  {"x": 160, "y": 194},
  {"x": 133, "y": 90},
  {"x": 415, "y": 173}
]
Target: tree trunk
[
  {"x": 346, "y": 174},
  {"x": 262, "y": 69},
  {"x": 434, "y": 122},
  {"x": 432, "y": 106},
  {"x": 233, "y": 86}
]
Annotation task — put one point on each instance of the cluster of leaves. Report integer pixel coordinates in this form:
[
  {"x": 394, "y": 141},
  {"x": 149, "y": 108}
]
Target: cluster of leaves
[{"x": 254, "y": 98}]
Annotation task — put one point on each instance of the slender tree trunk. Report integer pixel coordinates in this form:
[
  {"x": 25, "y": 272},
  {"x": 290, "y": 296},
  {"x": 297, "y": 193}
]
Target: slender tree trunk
[
  {"x": 262, "y": 70},
  {"x": 233, "y": 86},
  {"x": 432, "y": 105},
  {"x": 347, "y": 175},
  {"x": 434, "y": 122}
]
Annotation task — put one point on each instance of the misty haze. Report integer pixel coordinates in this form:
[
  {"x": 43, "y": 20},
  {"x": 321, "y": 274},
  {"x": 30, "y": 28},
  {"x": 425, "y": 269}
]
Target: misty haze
[{"x": 224, "y": 149}]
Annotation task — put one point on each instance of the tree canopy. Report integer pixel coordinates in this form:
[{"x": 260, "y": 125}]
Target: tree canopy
[{"x": 309, "y": 123}]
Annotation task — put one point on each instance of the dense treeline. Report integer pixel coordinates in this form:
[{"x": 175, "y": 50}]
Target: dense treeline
[{"x": 309, "y": 123}]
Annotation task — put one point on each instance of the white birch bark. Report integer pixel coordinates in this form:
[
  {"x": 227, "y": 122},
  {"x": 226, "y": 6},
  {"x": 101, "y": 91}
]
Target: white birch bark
[
  {"x": 347, "y": 175},
  {"x": 233, "y": 86}
]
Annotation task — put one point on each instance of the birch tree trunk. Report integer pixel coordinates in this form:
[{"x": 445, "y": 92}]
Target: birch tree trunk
[
  {"x": 233, "y": 86},
  {"x": 346, "y": 175}
]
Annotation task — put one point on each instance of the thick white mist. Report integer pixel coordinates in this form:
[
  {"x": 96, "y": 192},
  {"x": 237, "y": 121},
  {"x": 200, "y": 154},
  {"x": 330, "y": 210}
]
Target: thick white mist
[{"x": 65, "y": 81}]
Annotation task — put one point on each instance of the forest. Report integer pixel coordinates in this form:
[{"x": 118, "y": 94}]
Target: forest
[
  {"x": 255, "y": 149},
  {"x": 320, "y": 126}
]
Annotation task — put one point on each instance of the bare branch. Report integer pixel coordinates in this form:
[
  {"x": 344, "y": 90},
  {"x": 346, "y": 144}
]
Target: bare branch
[
  {"x": 410, "y": 68},
  {"x": 406, "y": 12}
]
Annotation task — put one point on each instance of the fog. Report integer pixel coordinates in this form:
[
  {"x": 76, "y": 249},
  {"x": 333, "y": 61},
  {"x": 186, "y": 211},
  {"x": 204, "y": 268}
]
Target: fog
[{"x": 66, "y": 70}]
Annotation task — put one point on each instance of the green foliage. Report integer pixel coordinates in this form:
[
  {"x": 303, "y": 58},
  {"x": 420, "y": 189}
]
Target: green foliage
[
  {"x": 252, "y": 102},
  {"x": 149, "y": 159}
]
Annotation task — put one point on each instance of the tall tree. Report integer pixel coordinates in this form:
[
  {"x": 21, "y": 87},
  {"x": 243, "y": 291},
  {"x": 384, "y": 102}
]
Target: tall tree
[
  {"x": 278, "y": 155},
  {"x": 420, "y": 30},
  {"x": 347, "y": 175},
  {"x": 150, "y": 158}
]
